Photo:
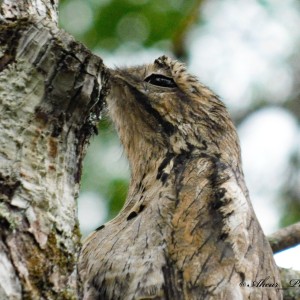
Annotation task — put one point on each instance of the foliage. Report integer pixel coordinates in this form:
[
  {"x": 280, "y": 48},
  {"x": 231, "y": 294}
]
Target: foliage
[{"x": 144, "y": 22}]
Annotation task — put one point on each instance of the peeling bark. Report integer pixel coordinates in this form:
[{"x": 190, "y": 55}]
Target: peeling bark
[{"x": 51, "y": 91}]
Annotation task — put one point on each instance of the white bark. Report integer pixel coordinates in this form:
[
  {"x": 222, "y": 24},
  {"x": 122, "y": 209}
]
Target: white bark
[
  {"x": 11, "y": 9},
  {"x": 50, "y": 86}
]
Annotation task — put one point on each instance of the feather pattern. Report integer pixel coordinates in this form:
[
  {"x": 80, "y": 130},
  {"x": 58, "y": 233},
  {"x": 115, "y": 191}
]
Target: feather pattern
[{"x": 187, "y": 229}]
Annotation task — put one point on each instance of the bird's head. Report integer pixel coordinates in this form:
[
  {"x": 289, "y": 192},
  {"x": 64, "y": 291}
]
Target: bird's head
[{"x": 159, "y": 108}]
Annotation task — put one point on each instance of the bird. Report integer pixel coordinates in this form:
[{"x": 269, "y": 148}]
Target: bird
[{"x": 187, "y": 229}]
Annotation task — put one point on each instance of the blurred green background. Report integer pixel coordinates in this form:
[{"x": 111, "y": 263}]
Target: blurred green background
[{"x": 246, "y": 51}]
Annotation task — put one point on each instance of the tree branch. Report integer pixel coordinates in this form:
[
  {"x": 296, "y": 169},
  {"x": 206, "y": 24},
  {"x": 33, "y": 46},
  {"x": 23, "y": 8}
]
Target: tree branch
[{"x": 285, "y": 238}]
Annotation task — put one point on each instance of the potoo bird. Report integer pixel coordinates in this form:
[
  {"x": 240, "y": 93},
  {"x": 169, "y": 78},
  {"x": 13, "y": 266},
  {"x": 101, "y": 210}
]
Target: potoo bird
[{"x": 187, "y": 229}]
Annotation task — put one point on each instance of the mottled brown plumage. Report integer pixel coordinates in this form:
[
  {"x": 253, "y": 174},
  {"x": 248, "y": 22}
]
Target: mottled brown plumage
[{"x": 187, "y": 229}]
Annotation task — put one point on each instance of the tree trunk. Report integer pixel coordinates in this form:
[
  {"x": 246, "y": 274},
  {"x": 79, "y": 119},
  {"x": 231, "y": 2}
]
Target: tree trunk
[{"x": 50, "y": 99}]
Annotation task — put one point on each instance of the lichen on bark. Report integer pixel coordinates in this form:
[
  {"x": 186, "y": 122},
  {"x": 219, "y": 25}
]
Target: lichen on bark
[{"x": 51, "y": 91}]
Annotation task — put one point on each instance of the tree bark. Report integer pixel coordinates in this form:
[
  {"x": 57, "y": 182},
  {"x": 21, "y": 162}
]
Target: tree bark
[
  {"x": 285, "y": 238},
  {"x": 51, "y": 91}
]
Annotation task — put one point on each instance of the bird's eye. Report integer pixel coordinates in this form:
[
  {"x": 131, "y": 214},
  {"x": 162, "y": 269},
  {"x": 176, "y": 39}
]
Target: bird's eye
[{"x": 161, "y": 80}]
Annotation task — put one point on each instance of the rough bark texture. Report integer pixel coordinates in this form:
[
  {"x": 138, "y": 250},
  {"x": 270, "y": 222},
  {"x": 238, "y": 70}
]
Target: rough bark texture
[
  {"x": 285, "y": 238},
  {"x": 50, "y": 98}
]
